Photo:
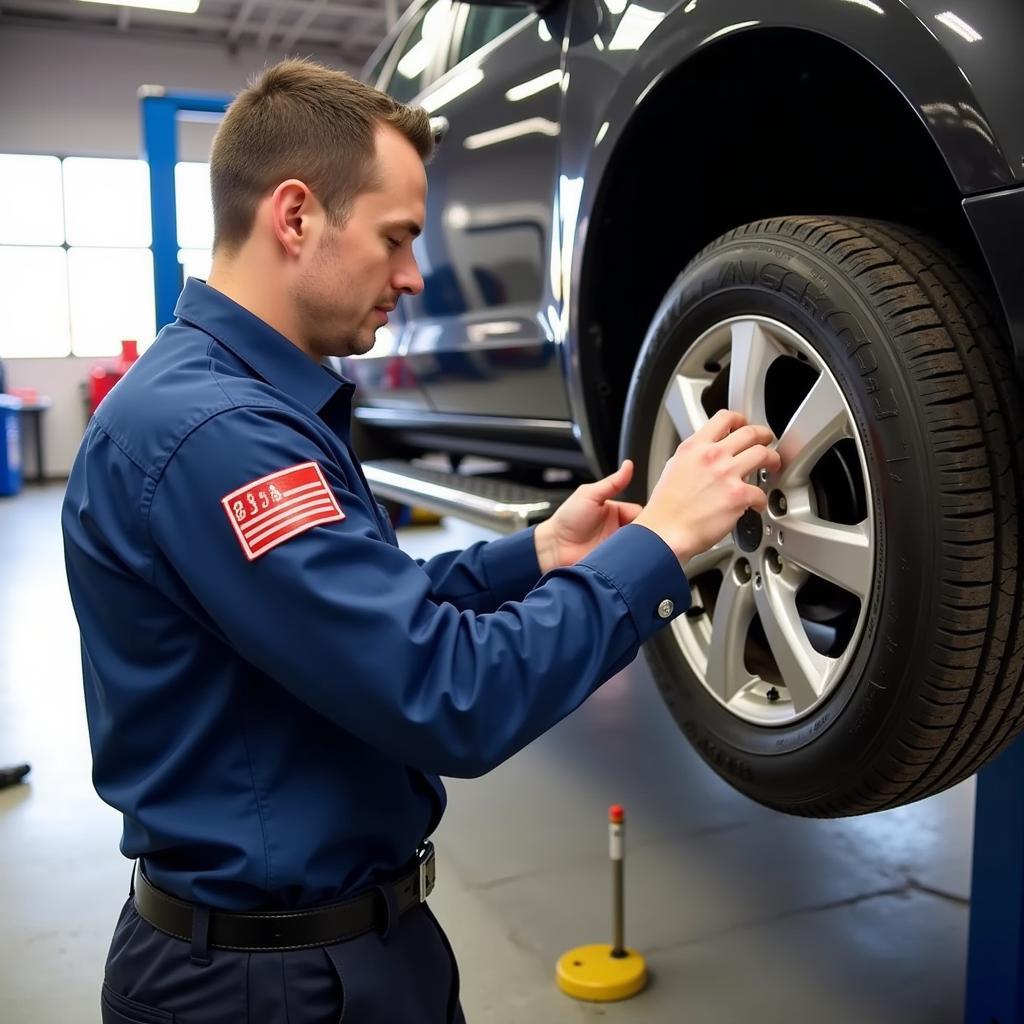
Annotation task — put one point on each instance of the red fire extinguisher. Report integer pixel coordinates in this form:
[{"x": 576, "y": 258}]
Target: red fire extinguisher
[{"x": 103, "y": 377}]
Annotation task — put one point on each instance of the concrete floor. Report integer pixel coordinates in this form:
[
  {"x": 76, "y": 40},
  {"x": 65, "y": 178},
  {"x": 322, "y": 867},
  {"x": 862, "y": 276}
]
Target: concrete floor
[{"x": 744, "y": 915}]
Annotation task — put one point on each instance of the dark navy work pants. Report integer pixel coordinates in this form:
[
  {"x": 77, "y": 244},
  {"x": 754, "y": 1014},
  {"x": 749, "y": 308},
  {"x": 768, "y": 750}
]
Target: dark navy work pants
[{"x": 408, "y": 976}]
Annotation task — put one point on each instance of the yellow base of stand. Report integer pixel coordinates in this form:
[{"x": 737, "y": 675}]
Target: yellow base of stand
[
  {"x": 423, "y": 517},
  {"x": 593, "y": 974}
]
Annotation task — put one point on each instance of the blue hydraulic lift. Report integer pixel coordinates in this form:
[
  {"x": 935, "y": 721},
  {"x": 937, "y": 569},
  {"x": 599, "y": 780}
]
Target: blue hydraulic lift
[
  {"x": 995, "y": 950},
  {"x": 995, "y": 954},
  {"x": 161, "y": 111}
]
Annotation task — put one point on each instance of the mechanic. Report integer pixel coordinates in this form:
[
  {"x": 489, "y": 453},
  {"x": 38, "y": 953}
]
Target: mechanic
[{"x": 272, "y": 686}]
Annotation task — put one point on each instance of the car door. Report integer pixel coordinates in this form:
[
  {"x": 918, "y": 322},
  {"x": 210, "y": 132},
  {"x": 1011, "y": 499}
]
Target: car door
[
  {"x": 404, "y": 64},
  {"x": 481, "y": 324}
]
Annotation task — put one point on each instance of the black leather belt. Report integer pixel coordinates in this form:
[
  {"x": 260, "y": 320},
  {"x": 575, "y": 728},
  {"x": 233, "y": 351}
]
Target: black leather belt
[{"x": 280, "y": 930}]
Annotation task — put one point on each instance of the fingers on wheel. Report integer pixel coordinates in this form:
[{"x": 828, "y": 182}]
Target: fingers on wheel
[
  {"x": 746, "y": 437},
  {"x": 756, "y": 457}
]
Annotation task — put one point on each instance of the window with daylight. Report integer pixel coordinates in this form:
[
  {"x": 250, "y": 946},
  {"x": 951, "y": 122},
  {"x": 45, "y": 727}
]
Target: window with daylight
[
  {"x": 195, "y": 219},
  {"x": 75, "y": 260}
]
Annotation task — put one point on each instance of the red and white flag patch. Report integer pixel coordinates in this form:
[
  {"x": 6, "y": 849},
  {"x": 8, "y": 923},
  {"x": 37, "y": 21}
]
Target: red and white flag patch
[{"x": 275, "y": 508}]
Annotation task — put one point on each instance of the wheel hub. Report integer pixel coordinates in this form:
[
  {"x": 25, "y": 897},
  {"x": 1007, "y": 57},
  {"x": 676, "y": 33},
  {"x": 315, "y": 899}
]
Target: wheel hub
[{"x": 749, "y": 531}]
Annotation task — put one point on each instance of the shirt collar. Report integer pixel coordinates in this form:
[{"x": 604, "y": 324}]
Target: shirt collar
[{"x": 265, "y": 350}]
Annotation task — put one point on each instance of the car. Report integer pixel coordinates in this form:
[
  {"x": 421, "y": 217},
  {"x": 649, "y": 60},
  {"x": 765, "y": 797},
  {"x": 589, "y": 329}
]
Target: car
[{"x": 806, "y": 210}]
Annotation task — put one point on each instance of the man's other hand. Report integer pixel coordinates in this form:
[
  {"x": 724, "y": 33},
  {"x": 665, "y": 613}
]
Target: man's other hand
[{"x": 587, "y": 517}]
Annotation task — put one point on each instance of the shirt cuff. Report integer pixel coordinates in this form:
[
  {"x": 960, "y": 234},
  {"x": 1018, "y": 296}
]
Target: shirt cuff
[
  {"x": 511, "y": 567},
  {"x": 646, "y": 572}
]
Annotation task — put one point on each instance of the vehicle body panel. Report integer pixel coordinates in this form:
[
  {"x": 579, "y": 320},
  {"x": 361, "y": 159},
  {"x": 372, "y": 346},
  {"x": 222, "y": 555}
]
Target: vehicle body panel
[
  {"x": 610, "y": 81},
  {"x": 513, "y": 188},
  {"x": 485, "y": 250}
]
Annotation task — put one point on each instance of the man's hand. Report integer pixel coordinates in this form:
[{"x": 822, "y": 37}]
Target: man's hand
[
  {"x": 587, "y": 517},
  {"x": 702, "y": 491}
]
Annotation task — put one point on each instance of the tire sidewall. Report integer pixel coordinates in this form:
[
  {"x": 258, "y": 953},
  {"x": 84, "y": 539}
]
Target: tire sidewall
[{"x": 776, "y": 277}]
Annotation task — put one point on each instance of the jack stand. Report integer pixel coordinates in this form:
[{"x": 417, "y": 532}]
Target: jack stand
[{"x": 602, "y": 973}]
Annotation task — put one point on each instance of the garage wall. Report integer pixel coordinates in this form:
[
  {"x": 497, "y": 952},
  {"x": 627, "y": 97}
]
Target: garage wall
[{"x": 75, "y": 94}]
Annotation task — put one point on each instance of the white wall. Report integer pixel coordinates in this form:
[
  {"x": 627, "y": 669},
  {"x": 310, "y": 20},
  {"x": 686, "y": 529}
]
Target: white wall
[{"x": 75, "y": 94}]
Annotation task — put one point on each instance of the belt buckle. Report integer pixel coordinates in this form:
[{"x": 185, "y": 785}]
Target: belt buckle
[{"x": 427, "y": 870}]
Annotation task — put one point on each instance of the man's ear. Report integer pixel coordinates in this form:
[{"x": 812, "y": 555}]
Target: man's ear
[{"x": 294, "y": 211}]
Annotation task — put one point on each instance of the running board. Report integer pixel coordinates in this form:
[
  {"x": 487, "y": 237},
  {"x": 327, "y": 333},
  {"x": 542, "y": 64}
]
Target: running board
[{"x": 487, "y": 501}]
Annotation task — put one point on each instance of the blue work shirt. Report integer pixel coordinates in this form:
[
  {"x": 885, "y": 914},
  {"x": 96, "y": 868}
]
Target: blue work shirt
[{"x": 272, "y": 721}]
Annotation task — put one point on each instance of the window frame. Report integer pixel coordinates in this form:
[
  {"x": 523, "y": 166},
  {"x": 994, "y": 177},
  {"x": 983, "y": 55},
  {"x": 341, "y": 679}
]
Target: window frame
[
  {"x": 389, "y": 47},
  {"x": 461, "y": 17},
  {"x": 439, "y": 61}
]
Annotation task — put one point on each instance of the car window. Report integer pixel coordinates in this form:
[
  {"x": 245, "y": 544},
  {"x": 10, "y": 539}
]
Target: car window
[
  {"x": 414, "y": 69},
  {"x": 484, "y": 24},
  {"x": 373, "y": 73}
]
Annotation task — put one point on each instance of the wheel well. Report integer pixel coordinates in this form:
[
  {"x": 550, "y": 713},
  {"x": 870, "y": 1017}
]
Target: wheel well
[{"x": 767, "y": 123}]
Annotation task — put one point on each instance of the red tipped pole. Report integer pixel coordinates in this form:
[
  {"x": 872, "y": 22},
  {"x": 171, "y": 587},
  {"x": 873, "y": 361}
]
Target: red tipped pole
[
  {"x": 616, "y": 842},
  {"x": 602, "y": 973}
]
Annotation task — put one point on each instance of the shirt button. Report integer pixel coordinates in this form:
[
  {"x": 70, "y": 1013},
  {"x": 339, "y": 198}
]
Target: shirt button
[{"x": 666, "y": 608}]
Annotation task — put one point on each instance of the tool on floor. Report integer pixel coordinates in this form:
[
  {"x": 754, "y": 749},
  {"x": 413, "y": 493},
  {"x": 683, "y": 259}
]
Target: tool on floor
[
  {"x": 12, "y": 776},
  {"x": 602, "y": 973}
]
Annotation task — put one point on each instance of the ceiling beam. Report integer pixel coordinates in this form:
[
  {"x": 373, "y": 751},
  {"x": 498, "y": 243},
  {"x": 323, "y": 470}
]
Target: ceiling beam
[
  {"x": 75, "y": 12},
  {"x": 269, "y": 27},
  {"x": 329, "y": 7},
  {"x": 100, "y": 24},
  {"x": 238, "y": 25},
  {"x": 302, "y": 22},
  {"x": 366, "y": 27}
]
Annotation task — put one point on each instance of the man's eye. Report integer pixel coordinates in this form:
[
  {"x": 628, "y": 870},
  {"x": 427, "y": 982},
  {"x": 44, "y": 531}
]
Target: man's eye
[{"x": 394, "y": 242}]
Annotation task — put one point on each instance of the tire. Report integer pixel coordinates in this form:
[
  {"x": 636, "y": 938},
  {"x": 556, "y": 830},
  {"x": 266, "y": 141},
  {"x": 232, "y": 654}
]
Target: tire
[{"x": 878, "y": 658}]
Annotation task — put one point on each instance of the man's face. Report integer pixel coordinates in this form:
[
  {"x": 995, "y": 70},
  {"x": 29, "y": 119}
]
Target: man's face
[{"x": 361, "y": 268}]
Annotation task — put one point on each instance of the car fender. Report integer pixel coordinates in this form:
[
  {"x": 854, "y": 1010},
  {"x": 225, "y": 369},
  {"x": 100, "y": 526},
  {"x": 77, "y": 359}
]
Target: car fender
[{"x": 621, "y": 58}]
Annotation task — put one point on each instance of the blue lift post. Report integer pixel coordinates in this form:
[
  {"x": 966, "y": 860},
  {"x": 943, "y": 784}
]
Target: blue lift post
[
  {"x": 995, "y": 948},
  {"x": 161, "y": 111}
]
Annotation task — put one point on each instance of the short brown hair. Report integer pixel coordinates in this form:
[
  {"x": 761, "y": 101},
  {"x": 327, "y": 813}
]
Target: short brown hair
[{"x": 301, "y": 120}]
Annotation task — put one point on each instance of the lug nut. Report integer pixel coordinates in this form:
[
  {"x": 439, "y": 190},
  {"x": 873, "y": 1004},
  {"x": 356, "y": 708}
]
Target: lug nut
[{"x": 742, "y": 571}]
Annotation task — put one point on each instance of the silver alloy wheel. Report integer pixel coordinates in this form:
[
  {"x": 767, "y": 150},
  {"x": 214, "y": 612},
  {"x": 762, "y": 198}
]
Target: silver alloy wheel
[{"x": 766, "y": 560}]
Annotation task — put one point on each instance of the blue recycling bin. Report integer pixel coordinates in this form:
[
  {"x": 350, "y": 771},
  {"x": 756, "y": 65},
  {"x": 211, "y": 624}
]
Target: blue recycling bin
[{"x": 10, "y": 445}]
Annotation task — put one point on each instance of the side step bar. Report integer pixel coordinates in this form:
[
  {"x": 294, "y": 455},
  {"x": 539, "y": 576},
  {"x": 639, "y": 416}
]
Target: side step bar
[{"x": 487, "y": 501}]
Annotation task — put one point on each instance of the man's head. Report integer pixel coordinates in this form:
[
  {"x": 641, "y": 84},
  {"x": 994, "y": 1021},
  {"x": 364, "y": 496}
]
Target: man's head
[{"x": 318, "y": 185}]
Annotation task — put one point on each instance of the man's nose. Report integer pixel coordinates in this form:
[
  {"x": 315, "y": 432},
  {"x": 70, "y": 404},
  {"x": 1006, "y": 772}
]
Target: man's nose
[{"x": 408, "y": 280}]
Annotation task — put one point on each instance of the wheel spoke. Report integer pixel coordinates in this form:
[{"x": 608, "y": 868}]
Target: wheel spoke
[
  {"x": 734, "y": 609},
  {"x": 803, "y": 669},
  {"x": 682, "y": 403},
  {"x": 834, "y": 551},
  {"x": 710, "y": 559},
  {"x": 819, "y": 423},
  {"x": 753, "y": 351}
]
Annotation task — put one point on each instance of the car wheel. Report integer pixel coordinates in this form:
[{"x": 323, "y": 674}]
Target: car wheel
[{"x": 859, "y": 645}]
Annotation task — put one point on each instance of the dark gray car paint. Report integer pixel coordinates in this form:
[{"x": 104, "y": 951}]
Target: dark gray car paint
[{"x": 498, "y": 330}]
